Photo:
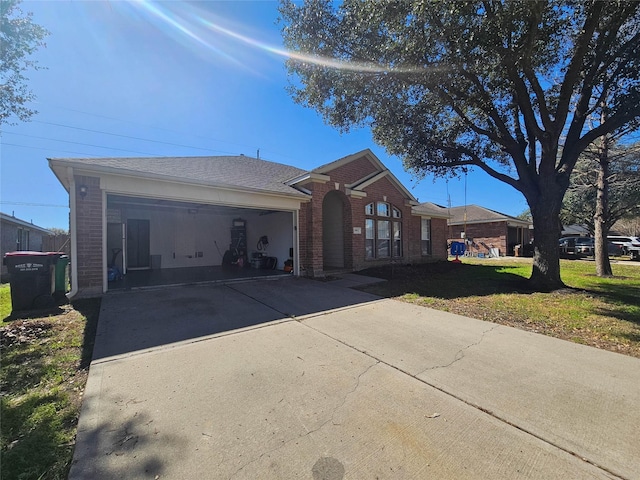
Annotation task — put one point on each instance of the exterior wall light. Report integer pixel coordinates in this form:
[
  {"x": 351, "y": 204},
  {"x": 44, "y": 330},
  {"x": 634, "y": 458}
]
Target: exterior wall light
[{"x": 83, "y": 190}]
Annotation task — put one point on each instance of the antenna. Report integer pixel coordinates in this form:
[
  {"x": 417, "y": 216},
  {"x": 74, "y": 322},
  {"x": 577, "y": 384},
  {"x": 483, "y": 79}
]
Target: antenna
[
  {"x": 258, "y": 154},
  {"x": 449, "y": 208},
  {"x": 465, "y": 204}
]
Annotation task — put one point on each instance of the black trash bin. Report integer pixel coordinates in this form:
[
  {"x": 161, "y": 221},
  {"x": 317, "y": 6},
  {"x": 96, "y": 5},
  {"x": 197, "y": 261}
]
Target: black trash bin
[{"x": 31, "y": 278}]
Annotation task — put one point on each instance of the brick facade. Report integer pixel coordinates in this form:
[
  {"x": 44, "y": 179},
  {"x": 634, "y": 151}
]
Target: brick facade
[
  {"x": 382, "y": 190},
  {"x": 89, "y": 232},
  {"x": 89, "y": 236},
  {"x": 482, "y": 236}
]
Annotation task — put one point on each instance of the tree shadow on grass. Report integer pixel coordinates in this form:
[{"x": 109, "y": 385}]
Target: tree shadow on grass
[
  {"x": 38, "y": 423},
  {"x": 619, "y": 293},
  {"x": 32, "y": 443},
  {"x": 445, "y": 280},
  {"x": 629, "y": 315},
  {"x": 623, "y": 298}
]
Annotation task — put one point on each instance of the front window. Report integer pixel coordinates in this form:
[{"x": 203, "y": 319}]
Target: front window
[
  {"x": 397, "y": 239},
  {"x": 425, "y": 236},
  {"x": 383, "y": 209},
  {"x": 368, "y": 210},
  {"x": 370, "y": 238},
  {"x": 22, "y": 242},
  {"x": 383, "y": 237}
]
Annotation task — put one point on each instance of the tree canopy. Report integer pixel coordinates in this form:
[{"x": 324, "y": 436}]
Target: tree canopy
[
  {"x": 504, "y": 86},
  {"x": 579, "y": 203},
  {"x": 19, "y": 38}
]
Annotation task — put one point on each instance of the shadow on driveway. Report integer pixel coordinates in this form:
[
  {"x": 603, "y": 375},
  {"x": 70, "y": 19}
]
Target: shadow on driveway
[{"x": 147, "y": 319}]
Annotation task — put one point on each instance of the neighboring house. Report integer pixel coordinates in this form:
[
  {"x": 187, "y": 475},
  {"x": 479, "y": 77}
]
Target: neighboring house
[
  {"x": 163, "y": 213},
  {"x": 484, "y": 229},
  {"x": 19, "y": 235},
  {"x": 575, "y": 231}
]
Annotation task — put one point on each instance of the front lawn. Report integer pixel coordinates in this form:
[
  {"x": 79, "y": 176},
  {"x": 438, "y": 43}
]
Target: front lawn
[
  {"x": 601, "y": 312},
  {"x": 43, "y": 371}
]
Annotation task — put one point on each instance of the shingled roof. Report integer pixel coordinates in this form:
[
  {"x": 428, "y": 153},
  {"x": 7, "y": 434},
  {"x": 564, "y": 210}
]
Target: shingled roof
[
  {"x": 241, "y": 172},
  {"x": 477, "y": 214},
  {"x": 430, "y": 209}
]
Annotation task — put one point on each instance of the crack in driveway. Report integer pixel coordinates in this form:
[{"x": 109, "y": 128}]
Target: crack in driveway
[{"x": 460, "y": 353}]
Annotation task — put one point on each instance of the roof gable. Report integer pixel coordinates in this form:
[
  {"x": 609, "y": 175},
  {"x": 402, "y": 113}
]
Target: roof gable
[
  {"x": 378, "y": 172},
  {"x": 366, "y": 153}
]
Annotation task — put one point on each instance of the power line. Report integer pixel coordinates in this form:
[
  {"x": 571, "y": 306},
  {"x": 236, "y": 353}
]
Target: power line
[
  {"x": 26, "y": 204},
  {"x": 123, "y": 120},
  {"x": 80, "y": 143},
  {"x": 49, "y": 149},
  {"x": 131, "y": 137}
]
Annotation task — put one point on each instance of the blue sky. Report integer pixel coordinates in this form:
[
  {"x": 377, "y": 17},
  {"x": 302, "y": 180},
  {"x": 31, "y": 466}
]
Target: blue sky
[{"x": 133, "y": 79}]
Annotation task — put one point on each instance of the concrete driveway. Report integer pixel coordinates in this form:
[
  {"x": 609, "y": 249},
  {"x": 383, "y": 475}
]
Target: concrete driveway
[{"x": 302, "y": 379}]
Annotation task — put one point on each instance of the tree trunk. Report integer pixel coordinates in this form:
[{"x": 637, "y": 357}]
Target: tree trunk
[
  {"x": 600, "y": 220},
  {"x": 545, "y": 206},
  {"x": 545, "y": 276}
]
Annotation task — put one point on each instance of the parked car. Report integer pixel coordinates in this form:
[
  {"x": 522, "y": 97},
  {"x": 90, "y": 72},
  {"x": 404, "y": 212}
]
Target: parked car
[
  {"x": 585, "y": 247},
  {"x": 626, "y": 245},
  {"x": 576, "y": 247}
]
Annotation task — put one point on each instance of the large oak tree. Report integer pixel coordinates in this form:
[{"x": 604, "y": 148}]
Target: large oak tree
[
  {"x": 504, "y": 86},
  {"x": 604, "y": 188}
]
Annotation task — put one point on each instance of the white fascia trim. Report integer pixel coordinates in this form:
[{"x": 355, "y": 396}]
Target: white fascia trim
[
  {"x": 97, "y": 171},
  {"x": 304, "y": 190},
  {"x": 105, "y": 265},
  {"x": 392, "y": 178},
  {"x": 308, "y": 177},
  {"x": 355, "y": 193},
  {"x": 357, "y": 183},
  {"x": 430, "y": 215},
  {"x": 373, "y": 179},
  {"x": 495, "y": 220},
  {"x": 74, "y": 234}
]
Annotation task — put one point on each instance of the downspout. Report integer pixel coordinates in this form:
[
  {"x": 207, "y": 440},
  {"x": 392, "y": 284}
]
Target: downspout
[{"x": 73, "y": 234}]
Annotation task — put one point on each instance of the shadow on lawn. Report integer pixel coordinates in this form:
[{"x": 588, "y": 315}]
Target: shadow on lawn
[
  {"x": 445, "y": 280},
  {"x": 38, "y": 421},
  {"x": 619, "y": 293}
]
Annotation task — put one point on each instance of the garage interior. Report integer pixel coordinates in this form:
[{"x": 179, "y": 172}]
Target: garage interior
[{"x": 154, "y": 242}]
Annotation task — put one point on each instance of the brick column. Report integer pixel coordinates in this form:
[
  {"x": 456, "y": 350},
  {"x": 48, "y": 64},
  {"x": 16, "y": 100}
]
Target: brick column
[{"x": 89, "y": 235}]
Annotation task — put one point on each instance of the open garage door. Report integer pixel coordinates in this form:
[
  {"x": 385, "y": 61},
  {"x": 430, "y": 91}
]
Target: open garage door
[{"x": 154, "y": 241}]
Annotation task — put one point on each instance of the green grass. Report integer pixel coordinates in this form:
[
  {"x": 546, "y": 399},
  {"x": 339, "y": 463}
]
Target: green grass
[
  {"x": 43, "y": 371},
  {"x": 601, "y": 312},
  {"x": 5, "y": 300}
]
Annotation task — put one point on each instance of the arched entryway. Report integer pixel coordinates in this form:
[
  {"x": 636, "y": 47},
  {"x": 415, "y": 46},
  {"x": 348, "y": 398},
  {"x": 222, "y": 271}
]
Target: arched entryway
[{"x": 335, "y": 222}]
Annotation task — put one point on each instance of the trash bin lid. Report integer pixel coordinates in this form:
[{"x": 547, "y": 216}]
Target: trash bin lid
[
  {"x": 17, "y": 256},
  {"x": 27, "y": 253}
]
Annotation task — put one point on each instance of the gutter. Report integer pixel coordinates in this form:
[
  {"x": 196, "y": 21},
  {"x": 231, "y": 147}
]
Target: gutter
[
  {"x": 73, "y": 232},
  {"x": 96, "y": 170}
]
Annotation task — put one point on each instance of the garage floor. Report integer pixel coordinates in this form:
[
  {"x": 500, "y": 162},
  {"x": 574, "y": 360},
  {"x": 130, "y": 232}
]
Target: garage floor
[{"x": 189, "y": 275}]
